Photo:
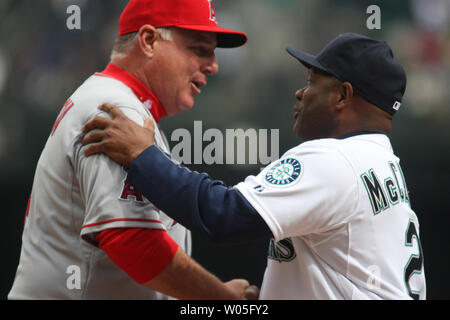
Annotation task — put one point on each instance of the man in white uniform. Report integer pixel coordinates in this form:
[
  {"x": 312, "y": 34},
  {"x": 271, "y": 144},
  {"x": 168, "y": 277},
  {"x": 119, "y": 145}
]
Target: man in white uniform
[
  {"x": 336, "y": 206},
  {"x": 88, "y": 233}
]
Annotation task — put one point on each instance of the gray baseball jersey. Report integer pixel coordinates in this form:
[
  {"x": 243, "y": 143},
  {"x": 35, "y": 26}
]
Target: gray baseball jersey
[{"x": 74, "y": 197}]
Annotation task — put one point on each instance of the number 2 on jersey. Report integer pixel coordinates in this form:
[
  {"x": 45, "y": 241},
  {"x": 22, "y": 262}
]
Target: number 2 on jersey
[{"x": 415, "y": 262}]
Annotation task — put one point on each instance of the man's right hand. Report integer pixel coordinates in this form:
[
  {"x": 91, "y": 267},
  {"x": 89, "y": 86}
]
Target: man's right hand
[
  {"x": 119, "y": 138},
  {"x": 245, "y": 290}
]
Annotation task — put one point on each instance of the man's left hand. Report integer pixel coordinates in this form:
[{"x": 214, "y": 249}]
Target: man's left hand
[{"x": 119, "y": 138}]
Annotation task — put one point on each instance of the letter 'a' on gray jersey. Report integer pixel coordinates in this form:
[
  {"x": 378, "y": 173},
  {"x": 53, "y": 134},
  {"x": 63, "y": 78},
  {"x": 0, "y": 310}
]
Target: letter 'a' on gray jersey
[
  {"x": 342, "y": 223},
  {"x": 74, "y": 197}
]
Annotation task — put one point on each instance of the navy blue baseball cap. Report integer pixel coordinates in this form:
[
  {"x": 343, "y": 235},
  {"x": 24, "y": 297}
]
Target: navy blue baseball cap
[{"x": 368, "y": 64}]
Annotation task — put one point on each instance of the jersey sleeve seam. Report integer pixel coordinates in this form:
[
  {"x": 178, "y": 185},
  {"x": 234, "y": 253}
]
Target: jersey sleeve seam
[{"x": 120, "y": 219}]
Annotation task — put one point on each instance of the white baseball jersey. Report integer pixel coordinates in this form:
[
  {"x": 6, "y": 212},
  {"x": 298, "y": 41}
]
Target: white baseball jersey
[
  {"x": 75, "y": 197},
  {"x": 342, "y": 223}
]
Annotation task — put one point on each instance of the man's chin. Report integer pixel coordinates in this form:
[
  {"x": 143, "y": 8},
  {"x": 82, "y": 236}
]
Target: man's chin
[
  {"x": 180, "y": 107},
  {"x": 188, "y": 104}
]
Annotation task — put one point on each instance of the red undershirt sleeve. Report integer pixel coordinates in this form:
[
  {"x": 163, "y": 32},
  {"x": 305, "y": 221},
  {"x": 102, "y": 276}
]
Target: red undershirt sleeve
[{"x": 141, "y": 253}]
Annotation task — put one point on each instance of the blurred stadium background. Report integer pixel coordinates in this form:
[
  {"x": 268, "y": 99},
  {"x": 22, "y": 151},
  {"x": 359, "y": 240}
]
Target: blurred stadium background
[{"x": 42, "y": 62}]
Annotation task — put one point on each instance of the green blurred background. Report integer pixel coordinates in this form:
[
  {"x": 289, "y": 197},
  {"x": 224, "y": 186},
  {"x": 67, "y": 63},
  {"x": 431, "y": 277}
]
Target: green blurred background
[{"x": 42, "y": 63}]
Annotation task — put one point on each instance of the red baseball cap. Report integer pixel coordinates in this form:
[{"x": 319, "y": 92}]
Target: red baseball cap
[{"x": 186, "y": 14}]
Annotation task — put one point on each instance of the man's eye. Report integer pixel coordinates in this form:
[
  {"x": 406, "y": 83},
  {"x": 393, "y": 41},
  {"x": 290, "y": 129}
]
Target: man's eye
[
  {"x": 199, "y": 51},
  {"x": 202, "y": 52}
]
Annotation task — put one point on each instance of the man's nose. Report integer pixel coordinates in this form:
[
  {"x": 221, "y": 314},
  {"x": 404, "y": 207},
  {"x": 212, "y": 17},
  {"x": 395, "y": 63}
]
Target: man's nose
[
  {"x": 211, "y": 67},
  {"x": 299, "y": 94}
]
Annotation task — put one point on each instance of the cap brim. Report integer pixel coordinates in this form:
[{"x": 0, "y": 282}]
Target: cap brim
[
  {"x": 226, "y": 38},
  {"x": 306, "y": 59}
]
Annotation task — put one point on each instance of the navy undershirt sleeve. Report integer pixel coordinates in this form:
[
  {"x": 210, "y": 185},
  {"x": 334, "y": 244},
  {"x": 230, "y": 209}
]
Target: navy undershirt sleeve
[{"x": 196, "y": 201}]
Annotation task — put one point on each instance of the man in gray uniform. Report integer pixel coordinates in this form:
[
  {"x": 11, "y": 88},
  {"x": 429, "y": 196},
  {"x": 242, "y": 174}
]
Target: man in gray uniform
[{"x": 88, "y": 234}]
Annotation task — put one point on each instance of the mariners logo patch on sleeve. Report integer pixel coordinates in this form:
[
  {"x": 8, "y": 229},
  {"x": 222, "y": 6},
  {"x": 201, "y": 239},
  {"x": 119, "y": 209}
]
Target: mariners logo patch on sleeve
[{"x": 284, "y": 173}]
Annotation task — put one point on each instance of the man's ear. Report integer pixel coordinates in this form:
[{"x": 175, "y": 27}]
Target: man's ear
[
  {"x": 344, "y": 95},
  {"x": 147, "y": 36}
]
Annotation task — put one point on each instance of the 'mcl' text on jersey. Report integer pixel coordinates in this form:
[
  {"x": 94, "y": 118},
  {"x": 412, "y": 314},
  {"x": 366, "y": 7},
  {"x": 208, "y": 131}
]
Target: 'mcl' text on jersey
[{"x": 391, "y": 191}]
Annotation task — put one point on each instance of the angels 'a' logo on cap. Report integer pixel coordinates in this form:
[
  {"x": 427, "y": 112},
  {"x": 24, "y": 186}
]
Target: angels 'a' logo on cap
[
  {"x": 212, "y": 11},
  {"x": 285, "y": 172}
]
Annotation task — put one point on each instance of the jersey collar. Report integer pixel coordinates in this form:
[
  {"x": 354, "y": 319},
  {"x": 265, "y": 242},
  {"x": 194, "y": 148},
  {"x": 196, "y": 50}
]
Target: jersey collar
[
  {"x": 375, "y": 137},
  {"x": 358, "y": 133},
  {"x": 147, "y": 98}
]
